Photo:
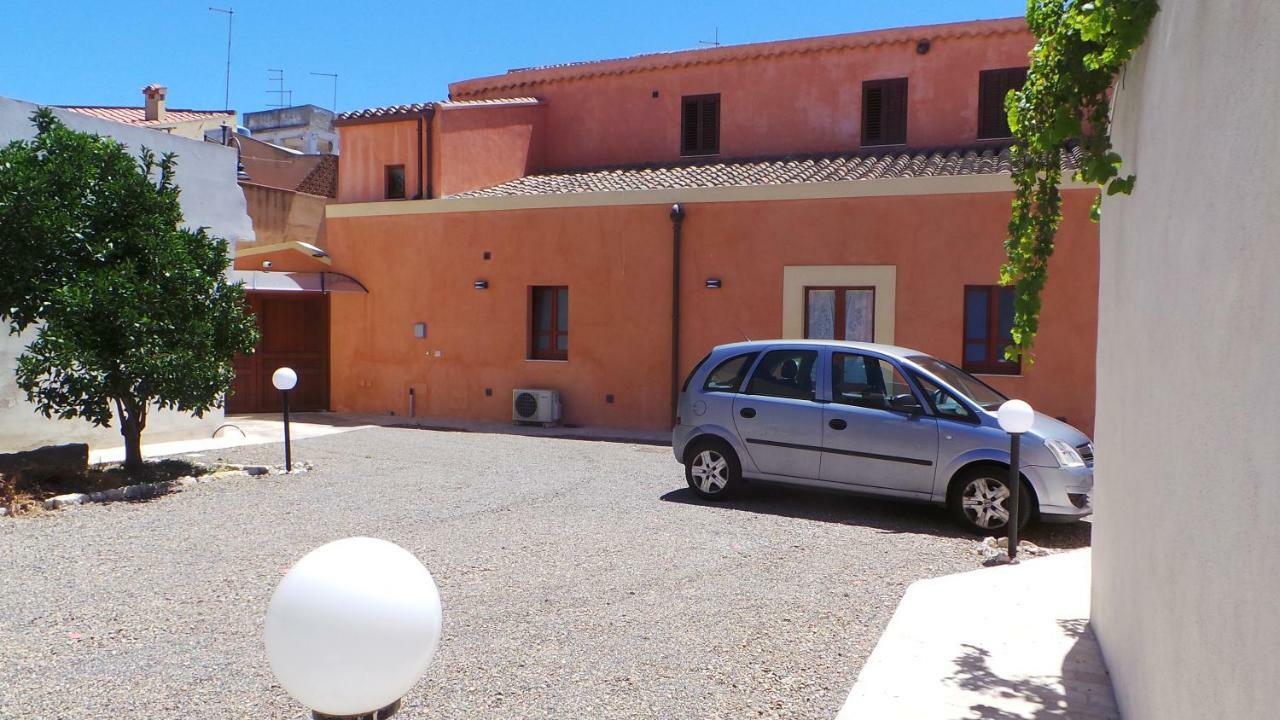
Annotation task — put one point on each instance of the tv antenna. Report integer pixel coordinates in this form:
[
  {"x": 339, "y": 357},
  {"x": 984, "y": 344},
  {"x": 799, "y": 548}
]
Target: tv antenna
[
  {"x": 226, "y": 94},
  {"x": 334, "y": 77},
  {"x": 714, "y": 43},
  {"x": 284, "y": 98}
]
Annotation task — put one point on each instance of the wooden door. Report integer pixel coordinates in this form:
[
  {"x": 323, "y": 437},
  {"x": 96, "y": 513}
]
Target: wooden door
[{"x": 295, "y": 333}]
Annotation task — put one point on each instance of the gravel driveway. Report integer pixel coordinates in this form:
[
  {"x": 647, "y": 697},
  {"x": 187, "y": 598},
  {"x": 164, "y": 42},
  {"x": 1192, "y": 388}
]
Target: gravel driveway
[{"x": 580, "y": 580}]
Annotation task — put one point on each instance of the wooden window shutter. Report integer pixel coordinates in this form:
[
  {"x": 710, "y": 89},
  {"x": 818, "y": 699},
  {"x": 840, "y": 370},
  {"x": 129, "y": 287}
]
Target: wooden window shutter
[
  {"x": 689, "y": 129},
  {"x": 895, "y": 112},
  {"x": 711, "y": 125},
  {"x": 993, "y": 86},
  {"x": 700, "y": 125},
  {"x": 884, "y": 112},
  {"x": 872, "y": 109}
]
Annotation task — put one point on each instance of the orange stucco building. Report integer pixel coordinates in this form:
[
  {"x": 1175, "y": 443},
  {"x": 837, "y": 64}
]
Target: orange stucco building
[{"x": 524, "y": 233}]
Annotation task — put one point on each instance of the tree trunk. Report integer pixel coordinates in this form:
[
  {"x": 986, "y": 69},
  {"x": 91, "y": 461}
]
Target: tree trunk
[
  {"x": 132, "y": 445},
  {"x": 132, "y": 420}
]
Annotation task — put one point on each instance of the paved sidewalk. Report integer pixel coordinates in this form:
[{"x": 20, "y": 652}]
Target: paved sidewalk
[
  {"x": 260, "y": 429},
  {"x": 1004, "y": 643}
]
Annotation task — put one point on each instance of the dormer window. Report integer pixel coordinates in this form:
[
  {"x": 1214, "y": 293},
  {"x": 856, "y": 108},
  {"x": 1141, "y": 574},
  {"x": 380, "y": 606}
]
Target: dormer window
[
  {"x": 700, "y": 125},
  {"x": 993, "y": 86},
  {"x": 394, "y": 182},
  {"x": 884, "y": 112}
]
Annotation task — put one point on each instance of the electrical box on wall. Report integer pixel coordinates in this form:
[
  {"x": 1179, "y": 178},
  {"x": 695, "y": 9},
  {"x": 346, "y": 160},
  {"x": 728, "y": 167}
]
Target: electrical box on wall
[{"x": 420, "y": 330}]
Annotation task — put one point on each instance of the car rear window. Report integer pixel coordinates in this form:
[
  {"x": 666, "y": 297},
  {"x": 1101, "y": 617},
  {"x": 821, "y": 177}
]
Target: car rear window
[{"x": 728, "y": 375}]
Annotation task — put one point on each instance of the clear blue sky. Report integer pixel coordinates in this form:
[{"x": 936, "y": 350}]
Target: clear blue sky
[{"x": 101, "y": 52}]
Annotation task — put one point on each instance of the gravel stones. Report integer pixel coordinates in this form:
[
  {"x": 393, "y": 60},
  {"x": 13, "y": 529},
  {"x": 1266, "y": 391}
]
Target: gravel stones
[{"x": 579, "y": 580}]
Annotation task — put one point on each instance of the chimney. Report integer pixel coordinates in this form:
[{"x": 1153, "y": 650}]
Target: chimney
[{"x": 154, "y": 95}]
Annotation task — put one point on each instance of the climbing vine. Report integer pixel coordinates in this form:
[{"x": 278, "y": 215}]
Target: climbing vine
[{"x": 1081, "y": 47}]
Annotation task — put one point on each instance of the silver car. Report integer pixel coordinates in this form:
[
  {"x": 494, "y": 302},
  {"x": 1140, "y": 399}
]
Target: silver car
[{"x": 872, "y": 419}]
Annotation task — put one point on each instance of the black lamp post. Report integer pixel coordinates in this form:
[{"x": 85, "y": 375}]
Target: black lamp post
[
  {"x": 284, "y": 379},
  {"x": 1016, "y": 417}
]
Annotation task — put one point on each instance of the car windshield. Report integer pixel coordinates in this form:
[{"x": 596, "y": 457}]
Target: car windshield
[{"x": 978, "y": 392}]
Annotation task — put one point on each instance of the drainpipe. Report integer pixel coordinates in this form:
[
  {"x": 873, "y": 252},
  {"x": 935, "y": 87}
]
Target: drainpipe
[
  {"x": 677, "y": 221},
  {"x": 421, "y": 180},
  {"x": 430, "y": 191}
]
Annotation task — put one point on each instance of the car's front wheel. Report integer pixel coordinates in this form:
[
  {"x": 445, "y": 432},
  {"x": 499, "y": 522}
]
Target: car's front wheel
[
  {"x": 979, "y": 501},
  {"x": 712, "y": 469}
]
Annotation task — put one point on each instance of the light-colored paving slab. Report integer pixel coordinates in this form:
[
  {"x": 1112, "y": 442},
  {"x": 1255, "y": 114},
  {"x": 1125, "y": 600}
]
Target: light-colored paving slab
[
  {"x": 259, "y": 429},
  {"x": 241, "y": 430},
  {"x": 1003, "y": 643}
]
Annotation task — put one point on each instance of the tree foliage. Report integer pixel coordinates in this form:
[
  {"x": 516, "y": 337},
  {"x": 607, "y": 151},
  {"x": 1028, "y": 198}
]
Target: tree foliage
[
  {"x": 1081, "y": 46},
  {"x": 132, "y": 310}
]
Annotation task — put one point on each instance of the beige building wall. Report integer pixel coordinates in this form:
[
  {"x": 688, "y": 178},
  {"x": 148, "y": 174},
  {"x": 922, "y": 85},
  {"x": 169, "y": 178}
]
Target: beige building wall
[{"x": 1186, "y": 574}]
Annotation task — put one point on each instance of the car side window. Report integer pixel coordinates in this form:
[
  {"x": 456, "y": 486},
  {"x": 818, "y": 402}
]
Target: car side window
[
  {"x": 689, "y": 378},
  {"x": 728, "y": 375},
  {"x": 944, "y": 403},
  {"x": 786, "y": 374},
  {"x": 866, "y": 381}
]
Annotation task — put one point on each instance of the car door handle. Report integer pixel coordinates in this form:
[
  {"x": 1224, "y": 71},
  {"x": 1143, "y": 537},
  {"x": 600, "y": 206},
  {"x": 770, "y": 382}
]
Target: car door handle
[
  {"x": 837, "y": 424},
  {"x": 747, "y": 412}
]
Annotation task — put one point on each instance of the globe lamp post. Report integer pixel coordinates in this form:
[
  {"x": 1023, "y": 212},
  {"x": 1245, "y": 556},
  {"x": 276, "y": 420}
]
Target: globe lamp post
[
  {"x": 284, "y": 379},
  {"x": 1016, "y": 417},
  {"x": 352, "y": 627}
]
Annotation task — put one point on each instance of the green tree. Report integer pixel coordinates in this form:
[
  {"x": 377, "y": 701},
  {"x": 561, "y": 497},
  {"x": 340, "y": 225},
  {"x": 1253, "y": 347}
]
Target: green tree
[{"x": 132, "y": 310}]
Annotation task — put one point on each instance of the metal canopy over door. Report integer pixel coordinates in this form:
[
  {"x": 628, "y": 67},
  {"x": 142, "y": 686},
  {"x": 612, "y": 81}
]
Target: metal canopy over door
[
  {"x": 778, "y": 416},
  {"x": 295, "y": 333},
  {"x": 865, "y": 440}
]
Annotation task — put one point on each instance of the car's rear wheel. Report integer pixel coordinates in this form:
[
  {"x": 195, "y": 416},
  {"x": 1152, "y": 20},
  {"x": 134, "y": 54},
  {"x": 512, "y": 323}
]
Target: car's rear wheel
[
  {"x": 979, "y": 500},
  {"x": 712, "y": 469}
]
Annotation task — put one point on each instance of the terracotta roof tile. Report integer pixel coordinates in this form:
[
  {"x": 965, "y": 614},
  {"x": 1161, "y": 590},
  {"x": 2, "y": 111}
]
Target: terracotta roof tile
[
  {"x": 323, "y": 179},
  {"x": 137, "y": 115},
  {"x": 490, "y": 101},
  {"x": 986, "y": 160},
  {"x": 391, "y": 112},
  {"x": 385, "y": 113}
]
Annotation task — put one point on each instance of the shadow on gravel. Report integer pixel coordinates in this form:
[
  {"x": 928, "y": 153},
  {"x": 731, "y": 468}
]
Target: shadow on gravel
[{"x": 884, "y": 515}]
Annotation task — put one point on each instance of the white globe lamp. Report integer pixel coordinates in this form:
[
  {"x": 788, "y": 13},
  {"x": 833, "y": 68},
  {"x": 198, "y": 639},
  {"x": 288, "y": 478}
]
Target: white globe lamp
[
  {"x": 284, "y": 378},
  {"x": 1016, "y": 417},
  {"x": 352, "y": 626}
]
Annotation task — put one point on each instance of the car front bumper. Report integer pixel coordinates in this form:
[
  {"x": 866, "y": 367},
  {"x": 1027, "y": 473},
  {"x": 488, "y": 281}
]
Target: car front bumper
[{"x": 1065, "y": 494}]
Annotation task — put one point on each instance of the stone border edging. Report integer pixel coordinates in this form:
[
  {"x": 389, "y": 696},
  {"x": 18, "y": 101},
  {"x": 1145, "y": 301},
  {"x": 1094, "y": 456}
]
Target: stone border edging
[{"x": 146, "y": 491}]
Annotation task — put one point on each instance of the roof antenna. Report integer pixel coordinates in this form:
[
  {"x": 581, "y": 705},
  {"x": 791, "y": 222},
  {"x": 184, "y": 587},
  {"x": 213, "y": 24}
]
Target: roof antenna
[
  {"x": 713, "y": 43},
  {"x": 744, "y": 335},
  {"x": 280, "y": 94},
  {"x": 226, "y": 94}
]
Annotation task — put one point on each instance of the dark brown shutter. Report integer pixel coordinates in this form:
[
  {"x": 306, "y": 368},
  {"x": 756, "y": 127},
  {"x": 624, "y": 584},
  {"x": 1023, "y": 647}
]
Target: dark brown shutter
[
  {"x": 872, "y": 107},
  {"x": 895, "y": 112},
  {"x": 689, "y": 127},
  {"x": 884, "y": 112},
  {"x": 700, "y": 125},
  {"x": 710, "y": 125},
  {"x": 993, "y": 86}
]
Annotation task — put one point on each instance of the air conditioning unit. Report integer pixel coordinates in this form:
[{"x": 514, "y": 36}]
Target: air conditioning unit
[{"x": 535, "y": 406}]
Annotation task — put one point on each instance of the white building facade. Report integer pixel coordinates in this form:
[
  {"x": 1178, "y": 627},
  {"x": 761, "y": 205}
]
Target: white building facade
[{"x": 210, "y": 198}]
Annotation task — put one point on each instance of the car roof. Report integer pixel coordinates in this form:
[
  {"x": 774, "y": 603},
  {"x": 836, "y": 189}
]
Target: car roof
[{"x": 893, "y": 351}]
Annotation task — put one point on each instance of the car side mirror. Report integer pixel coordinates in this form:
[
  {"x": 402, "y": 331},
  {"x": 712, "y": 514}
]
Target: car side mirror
[{"x": 907, "y": 404}]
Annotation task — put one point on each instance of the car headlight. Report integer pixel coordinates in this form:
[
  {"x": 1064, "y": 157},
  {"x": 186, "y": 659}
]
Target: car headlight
[{"x": 1065, "y": 454}]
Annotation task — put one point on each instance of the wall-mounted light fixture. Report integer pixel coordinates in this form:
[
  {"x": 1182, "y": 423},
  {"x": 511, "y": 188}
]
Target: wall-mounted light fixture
[
  {"x": 922, "y": 47},
  {"x": 420, "y": 330},
  {"x": 713, "y": 283},
  {"x": 481, "y": 284}
]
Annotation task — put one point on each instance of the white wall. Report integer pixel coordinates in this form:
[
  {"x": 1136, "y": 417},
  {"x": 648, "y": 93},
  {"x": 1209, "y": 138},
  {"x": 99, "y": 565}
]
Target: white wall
[
  {"x": 1186, "y": 586},
  {"x": 210, "y": 198}
]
